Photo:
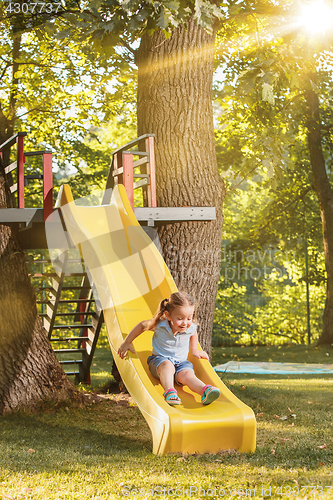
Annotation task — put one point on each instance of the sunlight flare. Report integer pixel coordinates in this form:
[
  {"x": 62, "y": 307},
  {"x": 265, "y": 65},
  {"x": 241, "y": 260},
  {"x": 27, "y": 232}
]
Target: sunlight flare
[{"x": 317, "y": 17}]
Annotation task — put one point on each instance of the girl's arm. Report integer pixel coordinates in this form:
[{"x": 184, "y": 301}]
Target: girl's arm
[
  {"x": 194, "y": 347},
  {"x": 133, "y": 334}
]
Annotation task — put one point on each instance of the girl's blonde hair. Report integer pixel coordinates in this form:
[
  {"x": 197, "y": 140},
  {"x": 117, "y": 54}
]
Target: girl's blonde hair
[{"x": 177, "y": 299}]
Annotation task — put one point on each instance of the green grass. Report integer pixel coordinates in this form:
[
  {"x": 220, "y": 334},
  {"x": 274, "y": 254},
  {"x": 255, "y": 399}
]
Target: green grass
[{"x": 103, "y": 450}]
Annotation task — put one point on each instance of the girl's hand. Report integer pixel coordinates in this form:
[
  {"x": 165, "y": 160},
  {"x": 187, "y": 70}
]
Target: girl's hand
[
  {"x": 200, "y": 354},
  {"x": 124, "y": 348},
  {"x": 194, "y": 348}
]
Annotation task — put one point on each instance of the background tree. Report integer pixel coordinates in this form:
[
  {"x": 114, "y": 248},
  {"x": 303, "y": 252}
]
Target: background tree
[
  {"x": 57, "y": 92},
  {"x": 262, "y": 293},
  {"x": 275, "y": 88}
]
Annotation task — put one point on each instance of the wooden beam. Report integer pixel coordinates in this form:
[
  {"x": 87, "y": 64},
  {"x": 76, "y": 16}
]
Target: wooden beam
[
  {"x": 11, "y": 167},
  {"x": 143, "y": 182},
  {"x": 175, "y": 214},
  {"x": 132, "y": 143},
  {"x": 47, "y": 185},
  {"x": 20, "y": 172},
  {"x": 12, "y": 140},
  {"x": 152, "y": 187},
  {"x": 142, "y": 161},
  {"x": 128, "y": 177},
  {"x": 24, "y": 215}
]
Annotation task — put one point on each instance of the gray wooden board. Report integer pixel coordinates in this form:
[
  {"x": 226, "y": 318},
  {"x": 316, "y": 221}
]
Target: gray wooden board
[
  {"x": 28, "y": 215},
  {"x": 175, "y": 213}
]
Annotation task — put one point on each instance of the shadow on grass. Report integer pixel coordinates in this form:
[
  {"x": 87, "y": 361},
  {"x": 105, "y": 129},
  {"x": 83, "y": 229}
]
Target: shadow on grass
[
  {"x": 72, "y": 437},
  {"x": 111, "y": 435},
  {"x": 293, "y": 423}
]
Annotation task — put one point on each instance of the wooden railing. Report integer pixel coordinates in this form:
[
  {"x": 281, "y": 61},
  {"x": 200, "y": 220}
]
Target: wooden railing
[
  {"x": 22, "y": 179},
  {"x": 123, "y": 165}
]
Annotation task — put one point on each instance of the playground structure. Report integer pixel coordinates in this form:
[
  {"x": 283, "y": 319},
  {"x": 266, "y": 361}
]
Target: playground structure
[
  {"x": 65, "y": 298},
  {"x": 129, "y": 278}
]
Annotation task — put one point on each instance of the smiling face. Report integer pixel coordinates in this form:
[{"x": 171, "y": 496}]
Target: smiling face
[{"x": 180, "y": 318}]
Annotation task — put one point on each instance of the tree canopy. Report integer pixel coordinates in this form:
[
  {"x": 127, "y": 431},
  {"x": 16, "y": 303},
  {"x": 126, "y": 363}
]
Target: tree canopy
[{"x": 77, "y": 69}]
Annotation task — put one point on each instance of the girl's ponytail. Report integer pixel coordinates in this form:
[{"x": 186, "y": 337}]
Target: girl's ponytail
[
  {"x": 163, "y": 306},
  {"x": 177, "y": 299}
]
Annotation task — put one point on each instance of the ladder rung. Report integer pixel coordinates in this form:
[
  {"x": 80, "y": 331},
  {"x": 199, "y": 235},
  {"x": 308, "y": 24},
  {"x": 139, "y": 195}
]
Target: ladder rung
[
  {"x": 72, "y": 301},
  {"x": 72, "y": 313},
  {"x": 55, "y": 275},
  {"x": 68, "y": 339},
  {"x": 68, "y": 350},
  {"x": 66, "y": 288},
  {"x": 75, "y": 301},
  {"x": 70, "y": 327},
  {"x": 71, "y": 362},
  {"x": 70, "y": 374},
  {"x": 48, "y": 261},
  {"x": 39, "y": 261}
]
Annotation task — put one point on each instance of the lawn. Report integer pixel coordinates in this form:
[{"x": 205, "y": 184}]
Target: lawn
[{"x": 103, "y": 450}]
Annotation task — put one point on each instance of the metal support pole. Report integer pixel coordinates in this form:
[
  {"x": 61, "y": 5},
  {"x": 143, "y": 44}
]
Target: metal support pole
[{"x": 307, "y": 291}]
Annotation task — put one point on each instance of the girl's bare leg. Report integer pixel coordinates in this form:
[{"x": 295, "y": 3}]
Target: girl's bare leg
[
  {"x": 187, "y": 377},
  {"x": 166, "y": 371}
]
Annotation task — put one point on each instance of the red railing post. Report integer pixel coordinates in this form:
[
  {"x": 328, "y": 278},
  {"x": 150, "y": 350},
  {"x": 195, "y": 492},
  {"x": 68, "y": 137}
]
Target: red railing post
[
  {"x": 128, "y": 176},
  {"x": 123, "y": 169},
  {"x": 47, "y": 185},
  {"x": 83, "y": 308},
  {"x": 20, "y": 172}
]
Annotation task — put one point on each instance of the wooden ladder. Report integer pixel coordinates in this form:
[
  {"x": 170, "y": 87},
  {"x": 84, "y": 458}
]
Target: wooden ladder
[{"x": 70, "y": 315}]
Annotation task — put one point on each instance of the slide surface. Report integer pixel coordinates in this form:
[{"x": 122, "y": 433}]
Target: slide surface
[{"x": 130, "y": 279}]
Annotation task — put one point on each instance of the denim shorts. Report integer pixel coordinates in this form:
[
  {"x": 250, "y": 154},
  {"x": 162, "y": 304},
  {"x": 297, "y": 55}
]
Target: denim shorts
[{"x": 155, "y": 361}]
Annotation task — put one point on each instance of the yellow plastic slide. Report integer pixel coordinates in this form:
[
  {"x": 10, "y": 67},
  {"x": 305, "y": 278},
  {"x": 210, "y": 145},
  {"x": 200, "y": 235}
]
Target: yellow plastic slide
[{"x": 131, "y": 278}]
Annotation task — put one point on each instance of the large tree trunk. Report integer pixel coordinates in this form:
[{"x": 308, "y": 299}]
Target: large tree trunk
[
  {"x": 29, "y": 370},
  {"x": 325, "y": 197},
  {"x": 175, "y": 103}
]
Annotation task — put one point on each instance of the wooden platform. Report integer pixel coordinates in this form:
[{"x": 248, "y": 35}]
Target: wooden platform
[{"x": 32, "y": 227}]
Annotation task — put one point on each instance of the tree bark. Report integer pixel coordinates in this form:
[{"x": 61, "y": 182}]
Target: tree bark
[
  {"x": 29, "y": 370},
  {"x": 175, "y": 103},
  {"x": 325, "y": 197}
]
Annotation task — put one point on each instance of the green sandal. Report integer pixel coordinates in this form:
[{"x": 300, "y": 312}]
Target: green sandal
[
  {"x": 171, "y": 397},
  {"x": 209, "y": 394}
]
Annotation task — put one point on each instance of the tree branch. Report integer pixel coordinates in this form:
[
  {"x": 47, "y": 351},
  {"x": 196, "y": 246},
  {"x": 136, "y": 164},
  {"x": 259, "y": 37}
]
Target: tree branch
[
  {"x": 41, "y": 110},
  {"x": 15, "y": 81},
  {"x": 292, "y": 100},
  {"x": 244, "y": 178},
  {"x": 4, "y": 71},
  {"x": 300, "y": 197},
  {"x": 127, "y": 46}
]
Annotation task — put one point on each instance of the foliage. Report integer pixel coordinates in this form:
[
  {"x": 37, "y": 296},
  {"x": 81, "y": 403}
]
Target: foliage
[
  {"x": 262, "y": 290},
  {"x": 95, "y": 154},
  {"x": 60, "y": 93},
  {"x": 276, "y": 310},
  {"x": 263, "y": 154}
]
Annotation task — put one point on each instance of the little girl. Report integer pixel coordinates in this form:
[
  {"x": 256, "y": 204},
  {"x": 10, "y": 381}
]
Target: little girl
[{"x": 174, "y": 332}]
